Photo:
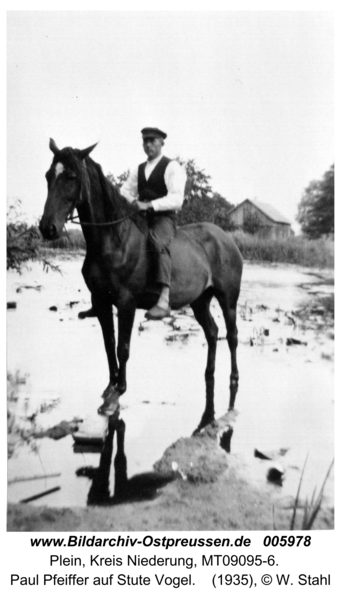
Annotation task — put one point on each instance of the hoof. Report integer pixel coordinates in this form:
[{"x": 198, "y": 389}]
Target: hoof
[
  {"x": 111, "y": 402},
  {"x": 205, "y": 420},
  {"x": 157, "y": 313},
  {"x": 108, "y": 410},
  {"x": 111, "y": 392}
]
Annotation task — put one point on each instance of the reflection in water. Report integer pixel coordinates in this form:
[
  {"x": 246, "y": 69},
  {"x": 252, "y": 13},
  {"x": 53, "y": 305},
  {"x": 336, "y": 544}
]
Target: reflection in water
[
  {"x": 208, "y": 414},
  {"x": 143, "y": 486}
]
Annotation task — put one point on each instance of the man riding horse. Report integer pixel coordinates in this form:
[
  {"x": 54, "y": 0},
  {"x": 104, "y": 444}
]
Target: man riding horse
[
  {"x": 206, "y": 263},
  {"x": 157, "y": 187}
]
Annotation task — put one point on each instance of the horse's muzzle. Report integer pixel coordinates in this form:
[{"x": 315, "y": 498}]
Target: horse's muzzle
[{"x": 49, "y": 232}]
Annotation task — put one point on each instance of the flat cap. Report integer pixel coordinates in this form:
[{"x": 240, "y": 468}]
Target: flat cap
[{"x": 153, "y": 132}]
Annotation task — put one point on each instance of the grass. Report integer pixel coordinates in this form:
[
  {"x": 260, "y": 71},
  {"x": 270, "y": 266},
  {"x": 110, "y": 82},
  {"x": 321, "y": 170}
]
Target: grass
[{"x": 312, "y": 506}]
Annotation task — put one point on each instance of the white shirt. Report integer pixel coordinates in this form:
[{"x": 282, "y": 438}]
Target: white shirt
[{"x": 175, "y": 180}]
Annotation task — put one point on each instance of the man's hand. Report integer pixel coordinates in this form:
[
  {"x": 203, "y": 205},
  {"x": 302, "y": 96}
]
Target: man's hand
[{"x": 143, "y": 205}]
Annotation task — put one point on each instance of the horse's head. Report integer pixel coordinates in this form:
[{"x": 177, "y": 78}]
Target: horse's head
[{"x": 65, "y": 183}]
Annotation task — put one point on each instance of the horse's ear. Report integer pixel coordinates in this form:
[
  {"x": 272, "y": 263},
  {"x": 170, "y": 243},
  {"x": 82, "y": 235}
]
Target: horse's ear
[
  {"x": 86, "y": 152},
  {"x": 53, "y": 146}
]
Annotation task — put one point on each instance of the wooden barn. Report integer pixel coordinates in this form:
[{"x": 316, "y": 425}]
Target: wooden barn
[{"x": 266, "y": 221}]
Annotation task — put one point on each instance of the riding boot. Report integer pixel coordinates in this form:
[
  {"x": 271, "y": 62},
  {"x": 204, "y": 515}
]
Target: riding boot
[{"x": 161, "y": 309}]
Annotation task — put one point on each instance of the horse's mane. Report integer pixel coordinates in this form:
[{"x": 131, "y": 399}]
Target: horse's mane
[{"x": 115, "y": 205}]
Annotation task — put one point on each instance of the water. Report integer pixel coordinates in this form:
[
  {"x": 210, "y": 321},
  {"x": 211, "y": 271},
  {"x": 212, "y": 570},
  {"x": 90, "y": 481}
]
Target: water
[{"x": 285, "y": 398}]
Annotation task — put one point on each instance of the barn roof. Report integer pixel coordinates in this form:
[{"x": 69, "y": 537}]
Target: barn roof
[{"x": 268, "y": 210}]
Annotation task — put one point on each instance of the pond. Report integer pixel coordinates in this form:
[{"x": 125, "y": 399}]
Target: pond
[{"x": 58, "y": 370}]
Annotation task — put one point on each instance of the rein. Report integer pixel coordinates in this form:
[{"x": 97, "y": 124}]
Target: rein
[{"x": 73, "y": 220}]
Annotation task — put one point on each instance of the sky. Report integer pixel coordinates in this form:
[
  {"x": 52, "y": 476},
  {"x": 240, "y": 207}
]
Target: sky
[{"x": 248, "y": 95}]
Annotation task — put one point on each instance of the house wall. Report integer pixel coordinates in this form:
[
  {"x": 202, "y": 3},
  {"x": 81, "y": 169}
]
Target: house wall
[{"x": 268, "y": 230}]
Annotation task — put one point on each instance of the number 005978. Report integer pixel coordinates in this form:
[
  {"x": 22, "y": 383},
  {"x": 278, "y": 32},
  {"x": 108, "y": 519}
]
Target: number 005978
[{"x": 287, "y": 540}]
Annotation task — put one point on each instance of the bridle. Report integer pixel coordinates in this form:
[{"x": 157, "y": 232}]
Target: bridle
[{"x": 72, "y": 219}]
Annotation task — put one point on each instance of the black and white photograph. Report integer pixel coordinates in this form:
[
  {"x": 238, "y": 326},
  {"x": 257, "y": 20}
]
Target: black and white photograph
[{"x": 170, "y": 271}]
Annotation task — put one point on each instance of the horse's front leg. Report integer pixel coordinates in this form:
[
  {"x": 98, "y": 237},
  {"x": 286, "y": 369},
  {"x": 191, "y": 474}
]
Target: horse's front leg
[
  {"x": 103, "y": 308},
  {"x": 126, "y": 314}
]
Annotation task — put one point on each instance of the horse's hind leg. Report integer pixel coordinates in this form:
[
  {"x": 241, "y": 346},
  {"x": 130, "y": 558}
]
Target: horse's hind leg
[
  {"x": 230, "y": 316},
  {"x": 201, "y": 309},
  {"x": 126, "y": 315}
]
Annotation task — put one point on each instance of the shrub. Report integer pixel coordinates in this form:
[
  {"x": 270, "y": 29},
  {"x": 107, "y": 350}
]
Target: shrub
[{"x": 295, "y": 250}]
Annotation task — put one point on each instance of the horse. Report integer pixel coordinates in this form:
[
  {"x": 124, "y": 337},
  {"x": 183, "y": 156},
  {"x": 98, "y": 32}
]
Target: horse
[{"x": 117, "y": 268}]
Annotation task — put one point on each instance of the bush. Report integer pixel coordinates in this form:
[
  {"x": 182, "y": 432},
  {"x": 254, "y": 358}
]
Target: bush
[
  {"x": 294, "y": 250},
  {"x": 24, "y": 242}
]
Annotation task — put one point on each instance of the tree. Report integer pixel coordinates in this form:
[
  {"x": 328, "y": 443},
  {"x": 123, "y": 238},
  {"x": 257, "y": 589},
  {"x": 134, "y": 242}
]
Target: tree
[
  {"x": 220, "y": 212},
  {"x": 119, "y": 180},
  {"x": 197, "y": 205},
  {"x": 316, "y": 208},
  {"x": 201, "y": 203},
  {"x": 198, "y": 184}
]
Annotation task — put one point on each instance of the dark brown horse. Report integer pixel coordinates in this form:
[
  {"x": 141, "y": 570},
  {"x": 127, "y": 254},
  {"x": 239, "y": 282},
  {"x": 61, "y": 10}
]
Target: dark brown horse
[{"x": 117, "y": 266}]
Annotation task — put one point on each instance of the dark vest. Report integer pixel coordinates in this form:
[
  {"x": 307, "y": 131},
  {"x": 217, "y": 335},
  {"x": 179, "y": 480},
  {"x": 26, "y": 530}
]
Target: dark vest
[{"x": 155, "y": 187}]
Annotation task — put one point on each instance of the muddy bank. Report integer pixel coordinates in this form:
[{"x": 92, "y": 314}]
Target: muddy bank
[{"x": 209, "y": 493}]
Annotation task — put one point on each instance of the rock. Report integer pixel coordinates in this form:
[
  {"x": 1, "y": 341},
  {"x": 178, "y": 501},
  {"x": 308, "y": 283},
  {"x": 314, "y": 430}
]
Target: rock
[
  {"x": 270, "y": 454},
  {"x": 225, "y": 438},
  {"x": 262, "y": 455},
  {"x": 276, "y": 473},
  {"x": 294, "y": 342},
  {"x": 262, "y": 307},
  {"x": 199, "y": 459},
  {"x": 91, "y": 431}
]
